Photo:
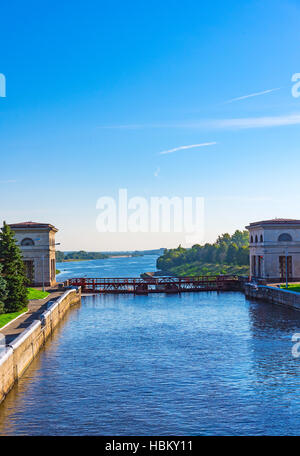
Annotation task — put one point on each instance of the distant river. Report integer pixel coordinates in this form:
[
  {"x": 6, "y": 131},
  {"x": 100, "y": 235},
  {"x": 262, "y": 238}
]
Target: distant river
[
  {"x": 195, "y": 364},
  {"x": 109, "y": 267}
]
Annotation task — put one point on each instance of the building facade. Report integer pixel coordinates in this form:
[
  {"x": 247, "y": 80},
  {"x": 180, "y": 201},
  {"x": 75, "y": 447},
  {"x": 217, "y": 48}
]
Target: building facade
[
  {"x": 37, "y": 243},
  {"x": 275, "y": 250}
]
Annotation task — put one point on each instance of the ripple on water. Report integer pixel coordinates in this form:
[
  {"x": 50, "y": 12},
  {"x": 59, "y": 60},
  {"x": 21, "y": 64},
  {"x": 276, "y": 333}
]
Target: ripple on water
[{"x": 195, "y": 364}]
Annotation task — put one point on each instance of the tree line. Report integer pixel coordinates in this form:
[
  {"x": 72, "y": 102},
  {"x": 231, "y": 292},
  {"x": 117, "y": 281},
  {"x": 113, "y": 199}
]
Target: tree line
[
  {"x": 83, "y": 255},
  {"x": 13, "y": 280},
  {"x": 79, "y": 255},
  {"x": 230, "y": 250}
]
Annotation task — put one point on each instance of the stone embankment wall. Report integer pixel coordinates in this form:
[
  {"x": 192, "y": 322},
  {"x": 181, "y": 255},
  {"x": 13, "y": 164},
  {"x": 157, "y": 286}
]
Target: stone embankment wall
[
  {"x": 22, "y": 350},
  {"x": 275, "y": 295}
]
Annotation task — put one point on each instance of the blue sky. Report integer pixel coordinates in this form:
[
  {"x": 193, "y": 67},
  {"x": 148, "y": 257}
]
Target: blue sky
[{"x": 96, "y": 90}]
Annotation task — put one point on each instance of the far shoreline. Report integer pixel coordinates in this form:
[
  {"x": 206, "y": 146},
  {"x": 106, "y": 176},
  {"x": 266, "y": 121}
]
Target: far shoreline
[{"x": 93, "y": 259}]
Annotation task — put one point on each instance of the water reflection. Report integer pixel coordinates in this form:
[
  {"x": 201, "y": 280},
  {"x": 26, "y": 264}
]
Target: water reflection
[{"x": 276, "y": 371}]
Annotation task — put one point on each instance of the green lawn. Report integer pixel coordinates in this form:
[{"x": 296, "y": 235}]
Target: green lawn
[
  {"x": 292, "y": 287},
  {"x": 33, "y": 293},
  {"x": 6, "y": 318}
]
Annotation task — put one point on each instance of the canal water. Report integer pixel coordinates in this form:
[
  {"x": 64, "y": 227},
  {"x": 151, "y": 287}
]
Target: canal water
[{"x": 195, "y": 364}]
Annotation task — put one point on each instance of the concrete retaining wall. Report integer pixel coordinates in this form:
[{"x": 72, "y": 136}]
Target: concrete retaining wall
[
  {"x": 22, "y": 350},
  {"x": 275, "y": 295}
]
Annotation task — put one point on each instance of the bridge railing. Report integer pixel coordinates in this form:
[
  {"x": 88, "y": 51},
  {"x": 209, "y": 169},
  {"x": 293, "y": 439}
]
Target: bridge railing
[
  {"x": 155, "y": 285},
  {"x": 154, "y": 280}
]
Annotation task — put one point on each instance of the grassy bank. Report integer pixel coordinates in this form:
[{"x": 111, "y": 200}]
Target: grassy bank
[
  {"x": 208, "y": 269},
  {"x": 33, "y": 293},
  {"x": 292, "y": 287},
  {"x": 6, "y": 318}
]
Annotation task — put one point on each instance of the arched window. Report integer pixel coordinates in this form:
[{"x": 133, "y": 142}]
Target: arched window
[
  {"x": 261, "y": 239},
  {"x": 251, "y": 239},
  {"x": 285, "y": 237},
  {"x": 27, "y": 241},
  {"x": 256, "y": 239}
]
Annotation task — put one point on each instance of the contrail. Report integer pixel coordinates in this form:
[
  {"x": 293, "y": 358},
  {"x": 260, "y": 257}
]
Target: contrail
[
  {"x": 256, "y": 94},
  {"x": 170, "y": 151}
]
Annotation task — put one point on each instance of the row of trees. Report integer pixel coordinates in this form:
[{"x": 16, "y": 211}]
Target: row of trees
[
  {"x": 228, "y": 250},
  {"x": 13, "y": 281},
  {"x": 79, "y": 255}
]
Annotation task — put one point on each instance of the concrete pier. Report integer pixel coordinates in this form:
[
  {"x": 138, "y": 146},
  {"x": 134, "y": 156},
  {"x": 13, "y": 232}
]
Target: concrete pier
[{"x": 274, "y": 295}]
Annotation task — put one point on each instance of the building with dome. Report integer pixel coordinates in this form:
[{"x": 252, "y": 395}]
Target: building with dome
[
  {"x": 275, "y": 250},
  {"x": 37, "y": 243}
]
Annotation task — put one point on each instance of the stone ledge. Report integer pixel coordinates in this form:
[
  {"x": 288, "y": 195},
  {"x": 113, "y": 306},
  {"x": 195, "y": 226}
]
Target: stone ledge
[{"x": 23, "y": 349}]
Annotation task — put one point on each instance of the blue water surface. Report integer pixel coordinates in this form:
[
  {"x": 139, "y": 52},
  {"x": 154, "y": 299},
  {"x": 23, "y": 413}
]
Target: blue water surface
[{"x": 191, "y": 364}]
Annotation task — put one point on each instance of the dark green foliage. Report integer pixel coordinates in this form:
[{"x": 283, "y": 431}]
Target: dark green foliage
[
  {"x": 59, "y": 256},
  {"x": 13, "y": 271},
  {"x": 228, "y": 251},
  {"x": 80, "y": 255},
  {"x": 3, "y": 292},
  {"x": 208, "y": 269},
  {"x": 231, "y": 254},
  {"x": 240, "y": 238}
]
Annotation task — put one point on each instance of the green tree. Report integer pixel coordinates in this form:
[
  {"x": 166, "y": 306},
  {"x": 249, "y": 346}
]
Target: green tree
[
  {"x": 228, "y": 251},
  {"x": 224, "y": 239},
  {"x": 231, "y": 255},
  {"x": 13, "y": 271},
  {"x": 240, "y": 238},
  {"x": 243, "y": 256},
  {"x": 221, "y": 252},
  {"x": 59, "y": 255},
  {"x": 3, "y": 292}
]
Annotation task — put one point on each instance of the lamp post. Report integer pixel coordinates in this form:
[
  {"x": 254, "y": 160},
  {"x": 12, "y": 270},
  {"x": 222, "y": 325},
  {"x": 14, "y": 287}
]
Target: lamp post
[
  {"x": 43, "y": 277},
  {"x": 286, "y": 269}
]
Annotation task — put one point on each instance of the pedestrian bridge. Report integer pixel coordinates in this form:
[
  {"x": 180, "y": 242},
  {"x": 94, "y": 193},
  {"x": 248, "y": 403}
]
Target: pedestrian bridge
[{"x": 156, "y": 284}]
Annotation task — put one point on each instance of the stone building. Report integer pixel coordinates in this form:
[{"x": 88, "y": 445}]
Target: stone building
[
  {"x": 37, "y": 243},
  {"x": 275, "y": 250}
]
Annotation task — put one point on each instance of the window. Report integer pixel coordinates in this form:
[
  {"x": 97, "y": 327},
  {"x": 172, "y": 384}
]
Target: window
[
  {"x": 285, "y": 267},
  {"x": 27, "y": 241},
  {"x": 259, "y": 265},
  {"x": 29, "y": 270},
  {"x": 261, "y": 239},
  {"x": 251, "y": 239},
  {"x": 53, "y": 269},
  {"x": 253, "y": 264},
  {"x": 256, "y": 239},
  {"x": 285, "y": 237}
]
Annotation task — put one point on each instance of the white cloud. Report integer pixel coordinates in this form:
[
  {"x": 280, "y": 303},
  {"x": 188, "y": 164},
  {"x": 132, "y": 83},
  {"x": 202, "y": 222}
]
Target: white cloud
[
  {"x": 9, "y": 181},
  {"x": 256, "y": 94},
  {"x": 192, "y": 146},
  {"x": 254, "y": 122},
  {"x": 237, "y": 123}
]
